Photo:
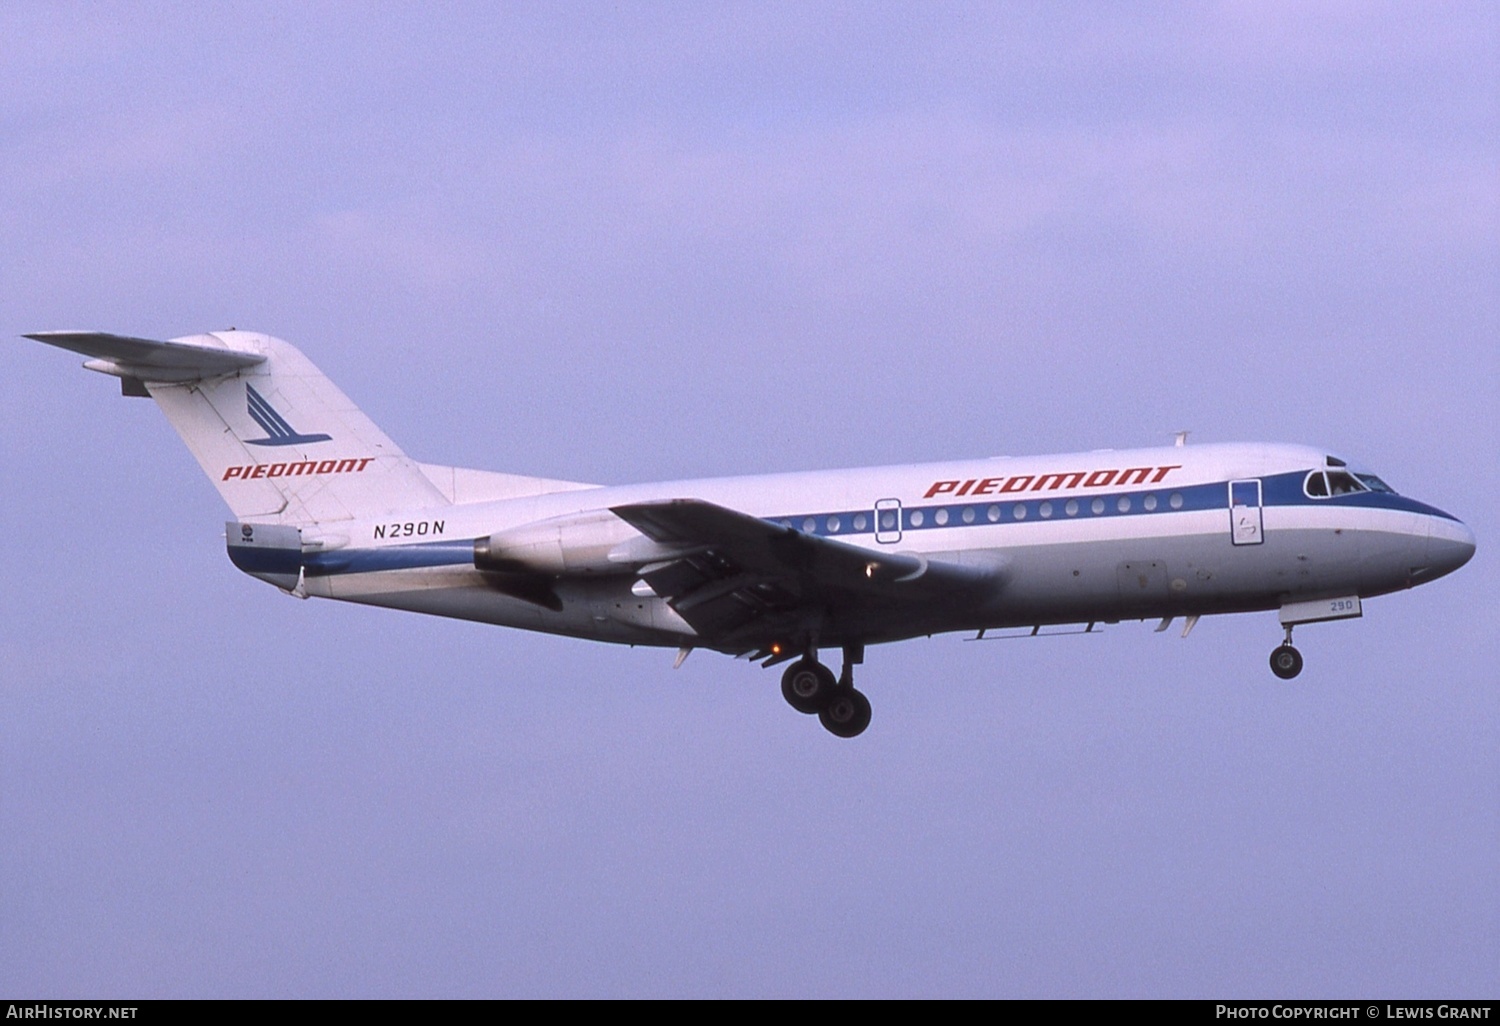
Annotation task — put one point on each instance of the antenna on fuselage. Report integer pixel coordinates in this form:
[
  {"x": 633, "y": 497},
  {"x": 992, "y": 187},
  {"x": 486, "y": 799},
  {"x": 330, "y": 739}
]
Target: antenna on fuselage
[{"x": 1180, "y": 439}]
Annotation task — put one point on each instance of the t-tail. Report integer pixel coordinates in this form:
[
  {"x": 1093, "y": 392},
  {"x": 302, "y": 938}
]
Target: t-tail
[{"x": 280, "y": 441}]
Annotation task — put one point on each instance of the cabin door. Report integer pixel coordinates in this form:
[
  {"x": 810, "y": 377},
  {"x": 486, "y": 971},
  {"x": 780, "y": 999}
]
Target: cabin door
[{"x": 1245, "y": 526}]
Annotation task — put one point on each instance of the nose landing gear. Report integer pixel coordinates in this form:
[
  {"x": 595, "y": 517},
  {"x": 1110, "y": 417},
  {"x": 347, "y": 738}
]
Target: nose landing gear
[
  {"x": 809, "y": 687},
  {"x": 1286, "y": 661}
]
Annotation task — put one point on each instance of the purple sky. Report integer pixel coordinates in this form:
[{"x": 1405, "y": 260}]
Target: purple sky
[{"x": 637, "y": 242}]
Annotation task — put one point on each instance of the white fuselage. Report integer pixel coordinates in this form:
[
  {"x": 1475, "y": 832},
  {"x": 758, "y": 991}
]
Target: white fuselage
[{"x": 1079, "y": 537}]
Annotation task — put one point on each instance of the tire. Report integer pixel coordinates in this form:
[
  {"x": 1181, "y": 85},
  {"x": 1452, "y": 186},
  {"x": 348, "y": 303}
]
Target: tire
[
  {"x": 847, "y": 713},
  {"x": 807, "y": 685},
  {"x": 1286, "y": 662}
]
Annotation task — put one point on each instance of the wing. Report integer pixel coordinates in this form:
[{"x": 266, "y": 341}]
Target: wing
[{"x": 744, "y": 583}]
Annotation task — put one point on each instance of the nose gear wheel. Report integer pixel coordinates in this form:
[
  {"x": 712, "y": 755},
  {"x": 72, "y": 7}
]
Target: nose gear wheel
[{"x": 1286, "y": 662}]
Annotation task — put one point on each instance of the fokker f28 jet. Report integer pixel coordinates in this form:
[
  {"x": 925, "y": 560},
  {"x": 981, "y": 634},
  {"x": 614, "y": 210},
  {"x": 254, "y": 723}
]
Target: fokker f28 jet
[{"x": 778, "y": 568}]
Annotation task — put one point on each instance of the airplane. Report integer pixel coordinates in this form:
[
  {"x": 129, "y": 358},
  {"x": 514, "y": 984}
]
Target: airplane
[{"x": 776, "y": 568}]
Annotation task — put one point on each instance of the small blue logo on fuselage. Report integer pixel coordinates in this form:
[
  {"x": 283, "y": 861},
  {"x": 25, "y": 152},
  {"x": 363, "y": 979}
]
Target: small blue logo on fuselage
[{"x": 278, "y": 431}]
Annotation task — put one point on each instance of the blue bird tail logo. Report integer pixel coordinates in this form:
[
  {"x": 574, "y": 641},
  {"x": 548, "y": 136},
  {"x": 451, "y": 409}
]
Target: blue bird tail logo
[{"x": 278, "y": 431}]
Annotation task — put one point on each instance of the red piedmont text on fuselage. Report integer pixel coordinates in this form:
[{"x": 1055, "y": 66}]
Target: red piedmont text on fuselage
[
  {"x": 1051, "y": 482},
  {"x": 252, "y": 471}
]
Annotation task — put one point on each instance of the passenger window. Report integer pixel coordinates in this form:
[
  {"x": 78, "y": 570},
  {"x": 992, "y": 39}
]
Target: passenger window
[{"x": 1316, "y": 486}]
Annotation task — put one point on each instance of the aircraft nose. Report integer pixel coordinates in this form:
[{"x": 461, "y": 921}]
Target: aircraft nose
[{"x": 1450, "y": 544}]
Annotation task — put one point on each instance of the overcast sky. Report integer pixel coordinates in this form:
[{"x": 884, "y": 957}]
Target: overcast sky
[{"x": 647, "y": 241}]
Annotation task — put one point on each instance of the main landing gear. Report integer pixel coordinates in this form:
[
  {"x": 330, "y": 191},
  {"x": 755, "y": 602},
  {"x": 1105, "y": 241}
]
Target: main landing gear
[
  {"x": 1286, "y": 661},
  {"x": 810, "y": 687}
]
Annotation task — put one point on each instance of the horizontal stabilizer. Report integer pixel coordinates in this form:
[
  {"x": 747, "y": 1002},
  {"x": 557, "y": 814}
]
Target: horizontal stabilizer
[{"x": 204, "y": 356}]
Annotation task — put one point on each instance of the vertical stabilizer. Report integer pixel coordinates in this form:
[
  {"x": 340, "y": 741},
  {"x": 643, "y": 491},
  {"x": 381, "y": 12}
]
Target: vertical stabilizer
[{"x": 278, "y": 439}]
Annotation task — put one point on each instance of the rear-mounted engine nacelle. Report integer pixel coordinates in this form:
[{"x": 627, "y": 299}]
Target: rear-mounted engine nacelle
[{"x": 576, "y": 543}]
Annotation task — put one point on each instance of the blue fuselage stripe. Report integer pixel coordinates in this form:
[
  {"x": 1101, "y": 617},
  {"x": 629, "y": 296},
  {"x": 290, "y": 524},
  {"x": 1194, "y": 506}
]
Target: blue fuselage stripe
[
  {"x": 1276, "y": 490},
  {"x": 393, "y": 557}
]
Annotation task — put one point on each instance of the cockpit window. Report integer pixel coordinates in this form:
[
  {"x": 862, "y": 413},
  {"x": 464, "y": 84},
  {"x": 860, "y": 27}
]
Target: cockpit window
[
  {"x": 1334, "y": 461},
  {"x": 1321, "y": 485},
  {"x": 1375, "y": 484},
  {"x": 1342, "y": 482}
]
